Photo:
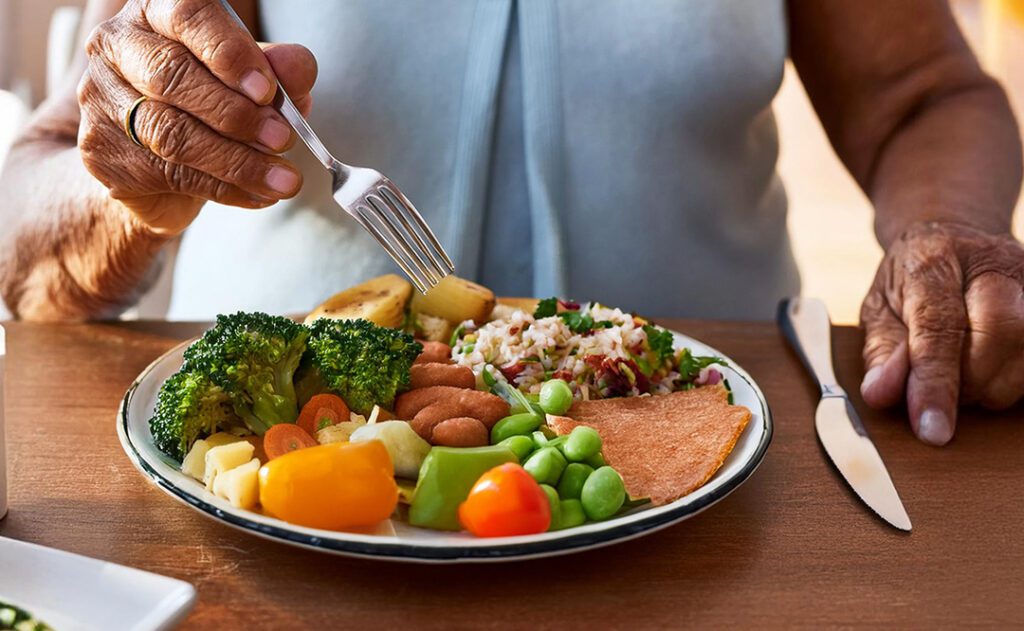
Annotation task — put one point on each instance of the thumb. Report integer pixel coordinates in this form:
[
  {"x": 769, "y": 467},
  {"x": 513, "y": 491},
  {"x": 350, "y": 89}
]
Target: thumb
[{"x": 886, "y": 361}]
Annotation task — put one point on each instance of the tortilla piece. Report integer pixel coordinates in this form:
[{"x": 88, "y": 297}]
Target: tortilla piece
[{"x": 663, "y": 446}]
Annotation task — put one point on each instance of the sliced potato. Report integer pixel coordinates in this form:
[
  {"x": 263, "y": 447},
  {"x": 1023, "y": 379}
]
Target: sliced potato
[
  {"x": 225, "y": 458},
  {"x": 239, "y": 485},
  {"x": 194, "y": 463},
  {"x": 380, "y": 300},
  {"x": 433, "y": 328},
  {"x": 456, "y": 300}
]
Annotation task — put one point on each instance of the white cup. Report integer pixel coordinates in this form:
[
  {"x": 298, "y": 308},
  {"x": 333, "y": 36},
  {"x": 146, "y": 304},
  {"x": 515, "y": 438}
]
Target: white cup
[{"x": 3, "y": 446}]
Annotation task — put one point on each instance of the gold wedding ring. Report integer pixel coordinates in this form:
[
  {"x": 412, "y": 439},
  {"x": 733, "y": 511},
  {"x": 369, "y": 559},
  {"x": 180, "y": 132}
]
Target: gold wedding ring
[{"x": 129, "y": 120}]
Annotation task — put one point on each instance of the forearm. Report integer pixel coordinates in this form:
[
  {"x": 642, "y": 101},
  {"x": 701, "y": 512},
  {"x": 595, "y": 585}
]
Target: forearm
[
  {"x": 957, "y": 159},
  {"x": 69, "y": 251}
]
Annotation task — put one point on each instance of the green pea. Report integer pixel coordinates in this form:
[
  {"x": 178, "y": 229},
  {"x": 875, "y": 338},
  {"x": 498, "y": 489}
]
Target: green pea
[
  {"x": 596, "y": 461},
  {"x": 603, "y": 494},
  {"x": 583, "y": 443},
  {"x": 545, "y": 465},
  {"x": 515, "y": 425},
  {"x": 571, "y": 484},
  {"x": 521, "y": 446},
  {"x": 555, "y": 397},
  {"x": 571, "y": 514},
  {"x": 556, "y": 507}
]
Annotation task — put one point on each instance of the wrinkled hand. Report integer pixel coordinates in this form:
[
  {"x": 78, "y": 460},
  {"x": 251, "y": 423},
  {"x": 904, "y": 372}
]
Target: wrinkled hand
[
  {"x": 945, "y": 324},
  {"x": 207, "y": 129}
]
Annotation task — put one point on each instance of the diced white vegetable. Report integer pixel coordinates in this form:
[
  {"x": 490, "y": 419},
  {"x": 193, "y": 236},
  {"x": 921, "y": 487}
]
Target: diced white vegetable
[
  {"x": 240, "y": 485},
  {"x": 356, "y": 418},
  {"x": 404, "y": 445},
  {"x": 194, "y": 463},
  {"x": 338, "y": 433},
  {"x": 374, "y": 413},
  {"x": 225, "y": 458}
]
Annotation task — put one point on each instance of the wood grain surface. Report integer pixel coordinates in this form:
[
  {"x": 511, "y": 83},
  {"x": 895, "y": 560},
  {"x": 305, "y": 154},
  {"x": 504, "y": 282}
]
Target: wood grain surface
[{"x": 791, "y": 547}]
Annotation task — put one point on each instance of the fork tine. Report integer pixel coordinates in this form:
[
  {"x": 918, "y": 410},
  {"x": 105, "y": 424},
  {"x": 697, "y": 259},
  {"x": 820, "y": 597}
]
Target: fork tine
[
  {"x": 360, "y": 215},
  {"x": 394, "y": 205},
  {"x": 383, "y": 214},
  {"x": 418, "y": 218}
]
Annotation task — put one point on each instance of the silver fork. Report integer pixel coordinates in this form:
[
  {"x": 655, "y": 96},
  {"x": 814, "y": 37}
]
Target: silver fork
[{"x": 375, "y": 202}]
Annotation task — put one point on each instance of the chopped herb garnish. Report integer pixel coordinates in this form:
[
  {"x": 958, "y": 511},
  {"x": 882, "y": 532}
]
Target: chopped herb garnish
[
  {"x": 660, "y": 341},
  {"x": 691, "y": 365},
  {"x": 546, "y": 308}
]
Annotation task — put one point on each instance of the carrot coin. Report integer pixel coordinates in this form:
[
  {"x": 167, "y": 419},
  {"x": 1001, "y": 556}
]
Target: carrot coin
[
  {"x": 284, "y": 438},
  {"x": 320, "y": 411}
]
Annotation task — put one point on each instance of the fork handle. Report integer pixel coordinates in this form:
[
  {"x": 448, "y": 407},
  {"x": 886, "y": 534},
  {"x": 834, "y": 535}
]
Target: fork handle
[{"x": 283, "y": 104}]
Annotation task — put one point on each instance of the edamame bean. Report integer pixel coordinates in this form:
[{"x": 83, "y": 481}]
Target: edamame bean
[
  {"x": 555, "y": 397},
  {"x": 570, "y": 514},
  {"x": 515, "y": 425},
  {"x": 603, "y": 494},
  {"x": 556, "y": 507},
  {"x": 521, "y": 446},
  {"x": 571, "y": 484},
  {"x": 545, "y": 465},
  {"x": 583, "y": 443}
]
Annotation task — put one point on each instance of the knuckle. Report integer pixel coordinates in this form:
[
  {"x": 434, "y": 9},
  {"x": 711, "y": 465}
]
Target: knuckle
[
  {"x": 168, "y": 133},
  {"x": 225, "y": 53},
  {"x": 940, "y": 318},
  {"x": 99, "y": 36},
  {"x": 166, "y": 69},
  {"x": 86, "y": 91},
  {"x": 188, "y": 13},
  {"x": 226, "y": 114}
]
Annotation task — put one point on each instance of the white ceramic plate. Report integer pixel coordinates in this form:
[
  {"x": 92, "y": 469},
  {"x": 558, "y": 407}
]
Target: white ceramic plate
[
  {"x": 399, "y": 541},
  {"x": 70, "y": 592}
]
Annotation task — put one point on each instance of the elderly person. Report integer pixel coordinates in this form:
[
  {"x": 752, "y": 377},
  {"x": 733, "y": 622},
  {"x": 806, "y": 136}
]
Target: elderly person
[{"x": 619, "y": 151}]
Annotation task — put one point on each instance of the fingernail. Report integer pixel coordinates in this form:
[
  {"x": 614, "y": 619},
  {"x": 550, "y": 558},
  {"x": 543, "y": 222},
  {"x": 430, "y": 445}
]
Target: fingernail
[
  {"x": 256, "y": 86},
  {"x": 282, "y": 180},
  {"x": 870, "y": 377},
  {"x": 273, "y": 134},
  {"x": 934, "y": 427}
]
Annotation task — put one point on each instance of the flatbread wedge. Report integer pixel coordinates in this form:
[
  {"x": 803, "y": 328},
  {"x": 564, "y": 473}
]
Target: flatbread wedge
[{"x": 663, "y": 446}]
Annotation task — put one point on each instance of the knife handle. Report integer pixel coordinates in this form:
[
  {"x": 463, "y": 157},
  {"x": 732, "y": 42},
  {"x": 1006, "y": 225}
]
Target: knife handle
[{"x": 805, "y": 323}]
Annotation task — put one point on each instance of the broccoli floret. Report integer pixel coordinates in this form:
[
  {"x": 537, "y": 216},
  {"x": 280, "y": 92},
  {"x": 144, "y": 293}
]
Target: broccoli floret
[
  {"x": 189, "y": 405},
  {"x": 253, "y": 357},
  {"x": 361, "y": 362}
]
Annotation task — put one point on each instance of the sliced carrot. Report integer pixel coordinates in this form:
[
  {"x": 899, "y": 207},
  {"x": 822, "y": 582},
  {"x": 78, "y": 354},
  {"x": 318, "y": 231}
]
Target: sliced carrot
[
  {"x": 284, "y": 438},
  {"x": 320, "y": 411}
]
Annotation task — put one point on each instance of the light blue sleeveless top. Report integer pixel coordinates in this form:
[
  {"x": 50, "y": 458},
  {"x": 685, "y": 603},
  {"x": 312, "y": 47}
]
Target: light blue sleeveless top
[{"x": 617, "y": 151}]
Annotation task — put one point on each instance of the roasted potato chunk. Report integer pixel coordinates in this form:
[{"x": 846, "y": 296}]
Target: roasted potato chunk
[{"x": 380, "y": 300}]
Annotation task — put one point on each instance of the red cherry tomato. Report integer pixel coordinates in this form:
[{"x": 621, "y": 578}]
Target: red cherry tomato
[{"x": 506, "y": 501}]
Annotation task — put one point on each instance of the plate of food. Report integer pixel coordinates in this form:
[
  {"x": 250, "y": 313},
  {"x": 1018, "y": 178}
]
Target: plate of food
[{"x": 446, "y": 427}]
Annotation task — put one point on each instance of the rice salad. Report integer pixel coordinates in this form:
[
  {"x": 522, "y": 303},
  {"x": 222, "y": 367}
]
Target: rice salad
[{"x": 599, "y": 351}]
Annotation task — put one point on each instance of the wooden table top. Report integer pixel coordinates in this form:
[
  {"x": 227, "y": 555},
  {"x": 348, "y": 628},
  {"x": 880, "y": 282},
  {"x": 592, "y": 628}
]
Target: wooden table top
[{"x": 792, "y": 546}]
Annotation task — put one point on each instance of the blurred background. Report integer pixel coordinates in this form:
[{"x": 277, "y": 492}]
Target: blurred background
[{"x": 830, "y": 218}]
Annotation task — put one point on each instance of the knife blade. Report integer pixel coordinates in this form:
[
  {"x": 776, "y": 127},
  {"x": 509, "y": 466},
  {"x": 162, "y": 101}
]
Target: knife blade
[{"x": 806, "y": 325}]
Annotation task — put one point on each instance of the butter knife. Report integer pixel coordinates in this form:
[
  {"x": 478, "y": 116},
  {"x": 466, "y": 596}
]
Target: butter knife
[{"x": 805, "y": 323}]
